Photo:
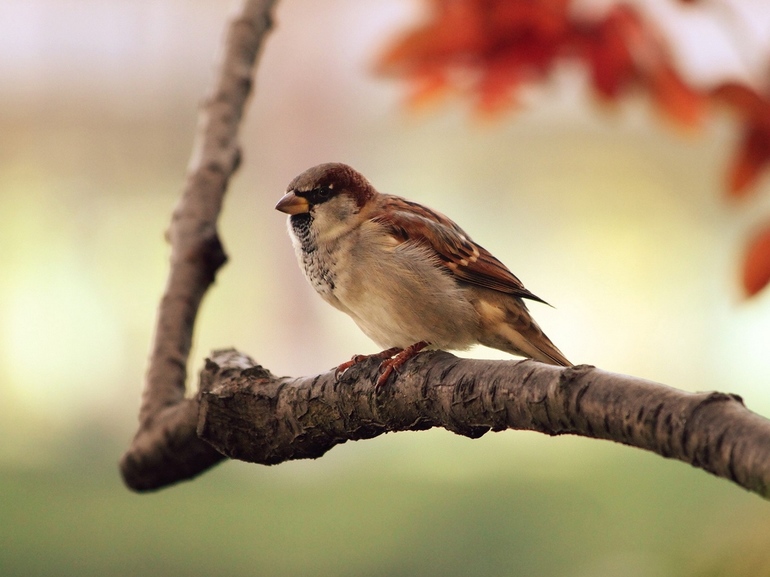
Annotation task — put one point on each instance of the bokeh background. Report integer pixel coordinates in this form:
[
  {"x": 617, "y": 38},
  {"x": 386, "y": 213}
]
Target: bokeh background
[{"x": 613, "y": 217}]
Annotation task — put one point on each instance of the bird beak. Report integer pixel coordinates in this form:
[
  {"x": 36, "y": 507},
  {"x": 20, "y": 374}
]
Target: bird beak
[{"x": 292, "y": 204}]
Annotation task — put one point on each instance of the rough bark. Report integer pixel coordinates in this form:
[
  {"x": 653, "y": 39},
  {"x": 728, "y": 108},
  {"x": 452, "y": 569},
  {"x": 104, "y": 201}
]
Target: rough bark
[
  {"x": 249, "y": 414},
  {"x": 163, "y": 450}
]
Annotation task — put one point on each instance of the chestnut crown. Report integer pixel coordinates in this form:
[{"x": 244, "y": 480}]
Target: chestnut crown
[{"x": 325, "y": 181}]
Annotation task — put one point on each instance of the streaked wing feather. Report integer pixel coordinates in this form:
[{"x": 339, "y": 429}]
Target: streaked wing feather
[{"x": 409, "y": 221}]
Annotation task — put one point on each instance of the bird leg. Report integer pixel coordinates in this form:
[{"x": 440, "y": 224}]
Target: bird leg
[
  {"x": 394, "y": 362},
  {"x": 386, "y": 354}
]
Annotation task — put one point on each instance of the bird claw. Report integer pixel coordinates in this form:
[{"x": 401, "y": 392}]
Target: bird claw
[
  {"x": 386, "y": 355},
  {"x": 392, "y": 360},
  {"x": 395, "y": 362},
  {"x": 389, "y": 367},
  {"x": 340, "y": 370}
]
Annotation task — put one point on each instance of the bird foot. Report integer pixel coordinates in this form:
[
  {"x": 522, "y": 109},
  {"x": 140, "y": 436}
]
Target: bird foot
[
  {"x": 386, "y": 354},
  {"x": 394, "y": 362}
]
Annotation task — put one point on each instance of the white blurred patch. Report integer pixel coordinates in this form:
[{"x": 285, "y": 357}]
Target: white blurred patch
[{"x": 62, "y": 346}]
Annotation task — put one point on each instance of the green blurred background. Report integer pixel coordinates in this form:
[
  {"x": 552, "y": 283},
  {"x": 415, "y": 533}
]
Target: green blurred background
[{"x": 611, "y": 216}]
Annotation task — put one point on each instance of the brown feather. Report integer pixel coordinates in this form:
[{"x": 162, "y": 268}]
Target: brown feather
[{"x": 466, "y": 260}]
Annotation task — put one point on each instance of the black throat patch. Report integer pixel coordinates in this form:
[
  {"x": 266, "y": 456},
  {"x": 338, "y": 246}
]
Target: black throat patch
[
  {"x": 316, "y": 262},
  {"x": 300, "y": 225}
]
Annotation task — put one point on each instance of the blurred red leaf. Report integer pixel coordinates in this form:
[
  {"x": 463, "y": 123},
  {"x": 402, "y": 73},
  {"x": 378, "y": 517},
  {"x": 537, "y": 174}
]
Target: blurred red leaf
[
  {"x": 497, "y": 85},
  {"x": 540, "y": 18},
  {"x": 753, "y": 154},
  {"x": 426, "y": 89},
  {"x": 609, "y": 57},
  {"x": 675, "y": 99},
  {"x": 486, "y": 47},
  {"x": 750, "y": 159},
  {"x": 756, "y": 265},
  {"x": 632, "y": 50},
  {"x": 743, "y": 99},
  {"x": 456, "y": 29}
]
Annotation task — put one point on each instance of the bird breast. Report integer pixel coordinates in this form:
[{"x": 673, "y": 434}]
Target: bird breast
[{"x": 397, "y": 293}]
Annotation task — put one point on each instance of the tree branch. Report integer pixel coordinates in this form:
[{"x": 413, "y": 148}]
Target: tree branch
[
  {"x": 251, "y": 415},
  {"x": 163, "y": 449}
]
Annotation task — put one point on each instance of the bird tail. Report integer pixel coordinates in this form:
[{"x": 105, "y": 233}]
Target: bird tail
[
  {"x": 510, "y": 327},
  {"x": 545, "y": 351}
]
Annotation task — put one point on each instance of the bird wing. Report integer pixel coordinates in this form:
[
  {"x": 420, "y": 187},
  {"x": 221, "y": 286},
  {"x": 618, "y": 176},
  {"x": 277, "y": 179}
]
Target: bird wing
[{"x": 466, "y": 260}]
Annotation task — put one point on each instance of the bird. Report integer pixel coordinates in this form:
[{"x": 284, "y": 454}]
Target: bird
[{"x": 407, "y": 275}]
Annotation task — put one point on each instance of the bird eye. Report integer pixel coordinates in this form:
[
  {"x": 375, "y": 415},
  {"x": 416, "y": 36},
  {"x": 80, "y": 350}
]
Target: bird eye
[{"x": 320, "y": 194}]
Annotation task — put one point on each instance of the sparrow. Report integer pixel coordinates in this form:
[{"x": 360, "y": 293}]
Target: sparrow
[{"x": 406, "y": 274}]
